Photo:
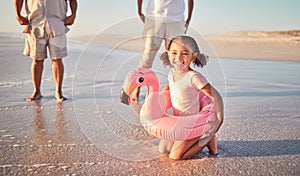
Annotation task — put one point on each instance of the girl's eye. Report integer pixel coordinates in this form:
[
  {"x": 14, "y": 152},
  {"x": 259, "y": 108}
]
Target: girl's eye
[{"x": 174, "y": 53}]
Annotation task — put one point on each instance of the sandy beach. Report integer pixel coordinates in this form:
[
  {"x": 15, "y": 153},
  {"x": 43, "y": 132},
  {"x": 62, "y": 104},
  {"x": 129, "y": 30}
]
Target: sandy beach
[
  {"x": 257, "y": 45},
  {"x": 92, "y": 133}
]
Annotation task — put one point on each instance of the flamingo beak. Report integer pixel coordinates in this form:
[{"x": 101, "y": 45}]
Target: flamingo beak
[
  {"x": 124, "y": 98},
  {"x": 127, "y": 88}
]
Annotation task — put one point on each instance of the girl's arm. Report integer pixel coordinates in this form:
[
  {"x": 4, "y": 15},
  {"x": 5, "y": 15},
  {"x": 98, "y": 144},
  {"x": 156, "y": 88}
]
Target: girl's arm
[{"x": 211, "y": 92}]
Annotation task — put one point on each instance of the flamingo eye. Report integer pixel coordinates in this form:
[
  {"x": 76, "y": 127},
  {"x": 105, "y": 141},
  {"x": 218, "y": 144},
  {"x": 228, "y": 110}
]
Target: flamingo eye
[{"x": 141, "y": 79}]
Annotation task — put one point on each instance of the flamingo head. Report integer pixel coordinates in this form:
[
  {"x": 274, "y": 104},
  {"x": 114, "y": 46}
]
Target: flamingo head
[{"x": 136, "y": 78}]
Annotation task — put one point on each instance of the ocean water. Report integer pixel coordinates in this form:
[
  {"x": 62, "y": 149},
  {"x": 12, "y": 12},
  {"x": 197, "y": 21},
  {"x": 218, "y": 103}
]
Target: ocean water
[
  {"x": 261, "y": 78},
  {"x": 262, "y": 89}
]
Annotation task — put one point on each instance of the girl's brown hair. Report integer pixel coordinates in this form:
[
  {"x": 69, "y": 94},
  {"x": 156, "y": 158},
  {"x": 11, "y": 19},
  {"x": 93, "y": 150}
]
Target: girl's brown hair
[{"x": 201, "y": 58}]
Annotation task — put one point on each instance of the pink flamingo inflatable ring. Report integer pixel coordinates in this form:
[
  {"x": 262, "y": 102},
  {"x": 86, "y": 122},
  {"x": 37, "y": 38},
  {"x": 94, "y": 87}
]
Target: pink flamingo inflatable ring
[{"x": 154, "y": 116}]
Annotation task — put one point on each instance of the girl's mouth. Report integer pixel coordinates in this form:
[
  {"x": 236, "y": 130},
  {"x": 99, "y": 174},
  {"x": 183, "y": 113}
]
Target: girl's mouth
[{"x": 179, "y": 63}]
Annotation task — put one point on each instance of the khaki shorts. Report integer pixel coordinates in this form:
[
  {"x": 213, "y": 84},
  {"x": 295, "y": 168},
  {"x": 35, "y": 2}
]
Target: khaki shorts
[
  {"x": 155, "y": 32},
  {"x": 36, "y": 48}
]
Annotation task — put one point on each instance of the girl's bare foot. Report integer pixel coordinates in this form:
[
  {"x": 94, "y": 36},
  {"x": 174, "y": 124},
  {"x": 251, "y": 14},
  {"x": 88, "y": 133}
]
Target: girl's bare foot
[
  {"x": 34, "y": 96},
  {"x": 59, "y": 97},
  {"x": 212, "y": 146}
]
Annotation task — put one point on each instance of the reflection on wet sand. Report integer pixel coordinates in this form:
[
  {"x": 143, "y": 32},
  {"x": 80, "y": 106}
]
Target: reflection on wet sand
[
  {"x": 48, "y": 140},
  {"x": 60, "y": 133},
  {"x": 39, "y": 126},
  {"x": 40, "y": 130}
]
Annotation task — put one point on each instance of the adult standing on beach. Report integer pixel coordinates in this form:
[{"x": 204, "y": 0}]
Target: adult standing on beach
[
  {"x": 45, "y": 27},
  {"x": 164, "y": 20}
]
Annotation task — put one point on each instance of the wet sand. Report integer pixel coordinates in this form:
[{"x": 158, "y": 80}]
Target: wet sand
[{"x": 93, "y": 134}]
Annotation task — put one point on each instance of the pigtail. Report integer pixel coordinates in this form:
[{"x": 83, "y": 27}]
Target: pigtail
[
  {"x": 165, "y": 59},
  {"x": 201, "y": 59}
]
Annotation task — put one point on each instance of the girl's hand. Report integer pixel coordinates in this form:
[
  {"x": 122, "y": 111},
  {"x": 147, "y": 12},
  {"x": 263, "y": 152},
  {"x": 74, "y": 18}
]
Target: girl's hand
[
  {"x": 215, "y": 126},
  {"x": 166, "y": 88}
]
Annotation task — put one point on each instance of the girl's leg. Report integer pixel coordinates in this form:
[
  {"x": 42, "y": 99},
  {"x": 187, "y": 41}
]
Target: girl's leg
[
  {"x": 212, "y": 145},
  {"x": 165, "y": 146},
  {"x": 188, "y": 148}
]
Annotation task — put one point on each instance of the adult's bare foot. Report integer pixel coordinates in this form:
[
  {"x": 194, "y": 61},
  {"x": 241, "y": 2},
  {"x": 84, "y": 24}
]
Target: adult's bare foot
[
  {"x": 34, "y": 96},
  {"x": 59, "y": 97}
]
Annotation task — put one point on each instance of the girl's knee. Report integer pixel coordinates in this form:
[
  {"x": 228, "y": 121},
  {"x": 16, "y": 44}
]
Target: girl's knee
[
  {"x": 163, "y": 150},
  {"x": 175, "y": 156},
  {"x": 165, "y": 146}
]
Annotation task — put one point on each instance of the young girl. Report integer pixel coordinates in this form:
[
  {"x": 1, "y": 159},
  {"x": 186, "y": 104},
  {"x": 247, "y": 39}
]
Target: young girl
[{"x": 184, "y": 85}]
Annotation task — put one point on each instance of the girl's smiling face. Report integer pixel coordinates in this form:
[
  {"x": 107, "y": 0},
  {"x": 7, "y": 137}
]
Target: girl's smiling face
[{"x": 181, "y": 55}]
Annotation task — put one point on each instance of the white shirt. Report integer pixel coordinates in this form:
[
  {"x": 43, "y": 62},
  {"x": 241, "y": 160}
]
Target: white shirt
[
  {"x": 46, "y": 16},
  {"x": 166, "y": 10},
  {"x": 185, "y": 92}
]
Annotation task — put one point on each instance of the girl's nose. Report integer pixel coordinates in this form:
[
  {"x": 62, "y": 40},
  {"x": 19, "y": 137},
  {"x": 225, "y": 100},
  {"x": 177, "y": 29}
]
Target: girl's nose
[{"x": 179, "y": 56}]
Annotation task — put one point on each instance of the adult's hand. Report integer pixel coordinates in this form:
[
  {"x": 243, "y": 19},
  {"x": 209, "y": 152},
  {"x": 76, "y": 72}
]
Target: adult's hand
[
  {"x": 22, "y": 20},
  {"x": 70, "y": 20},
  {"x": 142, "y": 16}
]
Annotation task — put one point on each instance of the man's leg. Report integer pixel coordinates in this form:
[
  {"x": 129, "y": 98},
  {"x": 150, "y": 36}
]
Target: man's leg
[
  {"x": 153, "y": 32},
  {"x": 58, "y": 50},
  {"x": 58, "y": 74},
  {"x": 36, "y": 74},
  {"x": 173, "y": 29}
]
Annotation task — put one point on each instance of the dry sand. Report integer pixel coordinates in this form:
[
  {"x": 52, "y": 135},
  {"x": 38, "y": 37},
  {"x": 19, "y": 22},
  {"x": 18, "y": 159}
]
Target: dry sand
[
  {"x": 257, "y": 45},
  {"x": 260, "y": 134}
]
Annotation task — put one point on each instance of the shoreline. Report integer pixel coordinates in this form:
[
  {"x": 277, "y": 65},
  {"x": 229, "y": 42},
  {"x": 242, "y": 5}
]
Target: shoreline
[{"x": 256, "y": 45}]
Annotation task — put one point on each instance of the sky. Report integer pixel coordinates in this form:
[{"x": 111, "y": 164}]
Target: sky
[{"x": 209, "y": 16}]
